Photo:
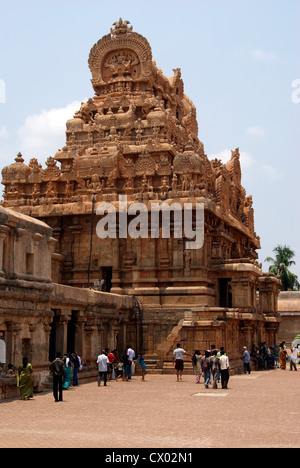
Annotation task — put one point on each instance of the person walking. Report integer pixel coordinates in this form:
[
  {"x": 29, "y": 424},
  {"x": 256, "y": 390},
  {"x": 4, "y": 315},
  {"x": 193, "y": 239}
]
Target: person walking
[
  {"x": 224, "y": 363},
  {"x": 57, "y": 369},
  {"x": 246, "y": 360},
  {"x": 67, "y": 376},
  {"x": 24, "y": 380},
  {"x": 103, "y": 366},
  {"x": 215, "y": 368},
  {"x": 178, "y": 360},
  {"x": 205, "y": 366},
  {"x": 196, "y": 359},
  {"x": 294, "y": 358}
]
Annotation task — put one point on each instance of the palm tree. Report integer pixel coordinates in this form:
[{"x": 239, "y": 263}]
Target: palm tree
[{"x": 280, "y": 267}]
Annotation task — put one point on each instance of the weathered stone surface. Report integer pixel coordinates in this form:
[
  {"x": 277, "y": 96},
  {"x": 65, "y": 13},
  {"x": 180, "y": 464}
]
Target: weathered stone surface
[{"x": 138, "y": 136}]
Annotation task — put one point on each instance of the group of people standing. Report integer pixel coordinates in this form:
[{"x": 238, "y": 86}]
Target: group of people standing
[
  {"x": 214, "y": 365},
  {"x": 113, "y": 367},
  {"x": 63, "y": 371}
]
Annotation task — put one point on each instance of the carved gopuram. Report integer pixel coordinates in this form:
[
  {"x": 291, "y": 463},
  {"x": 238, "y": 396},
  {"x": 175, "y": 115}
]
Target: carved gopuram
[{"x": 138, "y": 137}]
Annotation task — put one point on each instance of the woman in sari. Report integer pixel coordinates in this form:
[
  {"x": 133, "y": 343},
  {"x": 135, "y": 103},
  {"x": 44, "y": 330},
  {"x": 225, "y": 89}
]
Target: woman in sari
[
  {"x": 282, "y": 358},
  {"x": 24, "y": 380},
  {"x": 67, "y": 376}
]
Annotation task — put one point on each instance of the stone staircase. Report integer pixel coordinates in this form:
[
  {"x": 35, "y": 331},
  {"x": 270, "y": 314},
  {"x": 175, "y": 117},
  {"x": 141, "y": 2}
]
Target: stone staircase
[{"x": 158, "y": 367}]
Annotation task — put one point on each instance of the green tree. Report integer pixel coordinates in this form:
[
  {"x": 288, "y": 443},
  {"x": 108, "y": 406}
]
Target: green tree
[{"x": 280, "y": 267}]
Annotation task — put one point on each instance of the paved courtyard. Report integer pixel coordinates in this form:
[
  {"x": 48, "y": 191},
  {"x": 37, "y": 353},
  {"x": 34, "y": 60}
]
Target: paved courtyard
[{"x": 260, "y": 410}]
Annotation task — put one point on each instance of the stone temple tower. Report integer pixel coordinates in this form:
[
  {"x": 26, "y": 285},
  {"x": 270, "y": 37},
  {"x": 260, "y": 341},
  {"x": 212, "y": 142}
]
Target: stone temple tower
[{"x": 138, "y": 138}]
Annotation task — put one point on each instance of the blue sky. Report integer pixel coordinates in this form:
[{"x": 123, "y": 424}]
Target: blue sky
[{"x": 238, "y": 58}]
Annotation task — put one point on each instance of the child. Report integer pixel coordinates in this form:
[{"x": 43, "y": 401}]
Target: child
[
  {"x": 142, "y": 363},
  {"x": 10, "y": 372},
  {"x": 120, "y": 370}
]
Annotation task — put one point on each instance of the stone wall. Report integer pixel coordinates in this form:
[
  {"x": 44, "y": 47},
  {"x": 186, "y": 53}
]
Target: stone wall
[
  {"x": 38, "y": 317},
  {"x": 289, "y": 309}
]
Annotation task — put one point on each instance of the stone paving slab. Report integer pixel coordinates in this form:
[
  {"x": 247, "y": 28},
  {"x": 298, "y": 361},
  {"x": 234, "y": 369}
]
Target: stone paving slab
[{"x": 257, "y": 411}]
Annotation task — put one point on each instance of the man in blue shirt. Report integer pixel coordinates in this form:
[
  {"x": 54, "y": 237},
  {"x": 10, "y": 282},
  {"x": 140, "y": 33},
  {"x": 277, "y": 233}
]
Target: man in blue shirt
[{"x": 246, "y": 360}]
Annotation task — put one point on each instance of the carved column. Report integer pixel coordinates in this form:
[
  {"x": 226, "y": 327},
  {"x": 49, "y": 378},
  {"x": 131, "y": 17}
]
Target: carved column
[
  {"x": 4, "y": 231},
  {"x": 112, "y": 334}
]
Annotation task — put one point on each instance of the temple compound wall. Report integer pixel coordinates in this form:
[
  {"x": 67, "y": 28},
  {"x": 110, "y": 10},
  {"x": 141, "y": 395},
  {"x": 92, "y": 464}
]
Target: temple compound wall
[
  {"x": 38, "y": 317},
  {"x": 289, "y": 310},
  {"x": 138, "y": 138}
]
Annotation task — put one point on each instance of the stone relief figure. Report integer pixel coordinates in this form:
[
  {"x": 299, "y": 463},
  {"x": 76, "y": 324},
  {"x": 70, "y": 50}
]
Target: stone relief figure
[
  {"x": 81, "y": 184},
  {"x": 51, "y": 190},
  {"x": 96, "y": 185},
  {"x": 174, "y": 182},
  {"x": 111, "y": 181},
  {"x": 165, "y": 185},
  {"x": 185, "y": 182},
  {"x": 36, "y": 192}
]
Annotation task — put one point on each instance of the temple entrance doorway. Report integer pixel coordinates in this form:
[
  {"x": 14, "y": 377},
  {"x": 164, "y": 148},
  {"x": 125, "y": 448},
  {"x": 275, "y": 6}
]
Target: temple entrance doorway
[
  {"x": 225, "y": 294},
  {"x": 62, "y": 335},
  {"x": 107, "y": 277}
]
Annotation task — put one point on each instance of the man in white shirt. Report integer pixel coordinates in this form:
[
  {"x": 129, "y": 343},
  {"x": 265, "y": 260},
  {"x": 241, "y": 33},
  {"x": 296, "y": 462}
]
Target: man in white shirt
[
  {"x": 224, "y": 363},
  {"x": 131, "y": 356},
  {"x": 102, "y": 363},
  {"x": 178, "y": 359}
]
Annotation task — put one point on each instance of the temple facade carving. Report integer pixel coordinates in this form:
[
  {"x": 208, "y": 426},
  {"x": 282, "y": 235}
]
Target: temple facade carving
[{"x": 138, "y": 136}]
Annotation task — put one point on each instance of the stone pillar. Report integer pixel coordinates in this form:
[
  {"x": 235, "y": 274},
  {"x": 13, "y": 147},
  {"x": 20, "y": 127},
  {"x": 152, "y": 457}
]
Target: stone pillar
[
  {"x": 79, "y": 334},
  {"x": 62, "y": 333},
  {"x": 91, "y": 342},
  {"x": 4, "y": 230},
  {"x": 112, "y": 334}
]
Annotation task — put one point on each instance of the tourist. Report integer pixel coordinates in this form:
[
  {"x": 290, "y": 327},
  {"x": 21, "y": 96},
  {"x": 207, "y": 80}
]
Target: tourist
[
  {"x": 282, "y": 358},
  {"x": 254, "y": 356},
  {"x": 127, "y": 366},
  {"x": 246, "y": 360},
  {"x": 276, "y": 355},
  {"x": 224, "y": 363},
  {"x": 103, "y": 366},
  {"x": 215, "y": 367},
  {"x": 142, "y": 363},
  {"x": 76, "y": 361},
  {"x": 120, "y": 370},
  {"x": 205, "y": 366},
  {"x": 178, "y": 359},
  {"x": 24, "y": 380},
  {"x": 294, "y": 358},
  {"x": 219, "y": 355},
  {"x": 111, "y": 368},
  {"x": 67, "y": 375},
  {"x": 57, "y": 370},
  {"x": 131, "y": 356},
  {"x": 196, "y": 359},
  {"x": 10, "y": 374},
  {"x": 116, "y": 362}
]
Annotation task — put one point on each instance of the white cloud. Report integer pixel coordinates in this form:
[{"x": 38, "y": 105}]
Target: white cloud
[
  {"x": 260, "y": 54},
  {"x": 43, "y": 134},
  {"x": 256, "y": 131},
  {"x": 246, "y": 159}
]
